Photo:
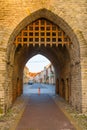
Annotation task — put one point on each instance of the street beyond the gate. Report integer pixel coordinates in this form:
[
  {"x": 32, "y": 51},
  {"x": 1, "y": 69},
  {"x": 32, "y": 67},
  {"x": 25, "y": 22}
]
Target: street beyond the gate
[{"x": 43, "y": 88}]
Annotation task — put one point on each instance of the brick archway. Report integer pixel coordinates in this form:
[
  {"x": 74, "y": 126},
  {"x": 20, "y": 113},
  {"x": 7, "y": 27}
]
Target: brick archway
[{"x": 64, "y": 58}]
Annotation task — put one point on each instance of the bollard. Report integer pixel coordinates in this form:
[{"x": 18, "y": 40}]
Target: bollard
[{"x": 38, "y": 91}]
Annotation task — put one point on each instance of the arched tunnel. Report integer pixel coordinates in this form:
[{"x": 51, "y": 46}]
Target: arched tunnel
[
  {"x": 54, "y": 40},
  {"x": 58, "y": 56}
]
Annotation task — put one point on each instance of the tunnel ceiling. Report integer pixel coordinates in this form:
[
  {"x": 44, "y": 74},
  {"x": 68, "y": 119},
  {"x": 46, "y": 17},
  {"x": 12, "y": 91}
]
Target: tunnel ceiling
[{"x": 57, "y": 55}]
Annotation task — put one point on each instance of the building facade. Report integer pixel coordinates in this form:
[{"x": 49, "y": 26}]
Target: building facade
[
  {"x": 46, "y": 76},
  {"x": 26, "y": 75}
]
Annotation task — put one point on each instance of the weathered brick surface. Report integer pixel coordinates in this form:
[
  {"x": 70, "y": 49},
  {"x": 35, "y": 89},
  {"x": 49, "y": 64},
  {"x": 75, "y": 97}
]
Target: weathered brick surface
[{"x": 72, "y": 12}]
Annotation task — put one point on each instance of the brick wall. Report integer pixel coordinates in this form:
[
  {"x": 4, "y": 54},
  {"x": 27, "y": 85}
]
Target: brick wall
[{"x": 67, "y": 14}]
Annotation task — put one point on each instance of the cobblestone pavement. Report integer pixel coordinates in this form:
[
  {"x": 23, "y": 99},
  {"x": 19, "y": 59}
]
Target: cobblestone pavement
[{"x": 11, "y": 119}]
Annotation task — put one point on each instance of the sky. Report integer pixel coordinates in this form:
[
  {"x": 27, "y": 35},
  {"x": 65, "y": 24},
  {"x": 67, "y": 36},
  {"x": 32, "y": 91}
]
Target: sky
[{"x": 37, "y": 63}]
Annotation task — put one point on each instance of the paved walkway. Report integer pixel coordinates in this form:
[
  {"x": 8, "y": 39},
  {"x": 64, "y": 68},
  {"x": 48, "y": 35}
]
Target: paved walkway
[{"x": 41, "y": 113}]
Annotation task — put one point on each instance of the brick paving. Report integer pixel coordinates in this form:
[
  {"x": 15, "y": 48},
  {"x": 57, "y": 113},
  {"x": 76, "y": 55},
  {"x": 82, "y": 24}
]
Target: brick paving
[{"x": 42, "y": 113}]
